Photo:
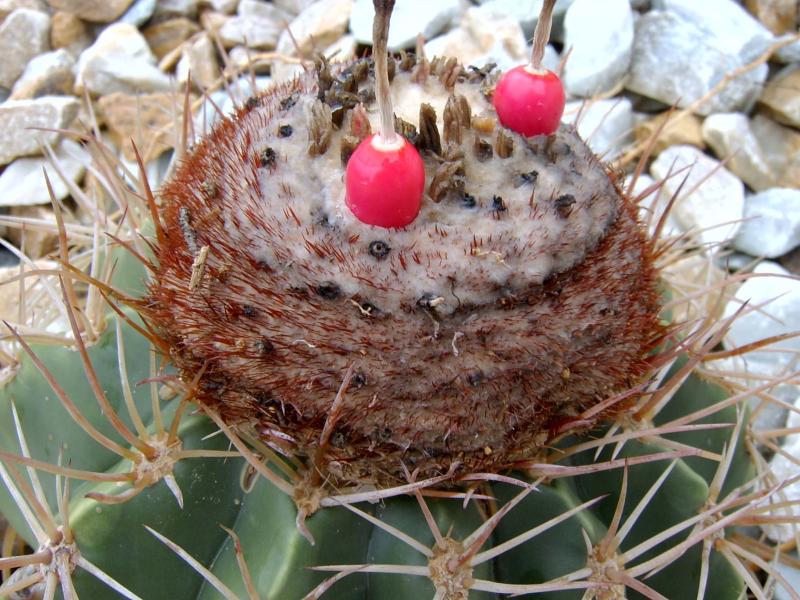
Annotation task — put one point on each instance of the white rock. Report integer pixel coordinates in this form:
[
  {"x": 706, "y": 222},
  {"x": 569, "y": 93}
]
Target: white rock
[
  {"x": 139, "y": 12},
  {"x": 257, "y": 25},
  {"x": 774, "y": 302},
  {"x": 410, "y": 18},
  {"x": 599, "y": 36},
  {"x": 525, "y": 11},
  {"x": 715, "y": 202},
  {"x": 9, "y": 6},
  {"x": 227, "y": 101},
  {"x": 731, "y": 138},
  {"x": 606, "y": 125},
  {"x": 730, "y": 26},
  {"x": 784, "y": 469},
  {"x": 48, "y": 74},
  {"x": 23, "y": 182},
  {"x": 318, "y": 26},
  {"x": 789, "y": 53},
  {"x": 792, "y": 577},
  {"x": 676, "y": 62},
  {"x": 342, "y": 49},
  {"x": 780, "y": 147},
  {"x": 227, "y": 7},
  {"x": 652, "y": 205},
  {"x": 22, "y": 123},
  {"x": 23, "y": 34},
  {"x": 482, "y": 38},
  {"x": 120, "y": 61},
  {"x": 772, "y": 223},
  {"x": 294, "y": 7}
]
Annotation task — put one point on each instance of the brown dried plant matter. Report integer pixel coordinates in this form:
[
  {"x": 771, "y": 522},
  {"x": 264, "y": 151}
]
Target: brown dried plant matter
[{"x": 523, "y": 297}]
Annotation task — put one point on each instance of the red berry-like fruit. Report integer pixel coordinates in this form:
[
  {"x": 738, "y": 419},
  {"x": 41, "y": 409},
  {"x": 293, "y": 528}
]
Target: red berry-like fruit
[
  {"x": 384, "y": 182},
  {"x": 529, "y": 101}
]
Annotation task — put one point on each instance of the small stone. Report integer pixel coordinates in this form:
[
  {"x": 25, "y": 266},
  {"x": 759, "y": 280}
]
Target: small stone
[
  {"x": 199, "y": 58},
  {"x": 771, "y": 224},
  {"x": 732, "y": 139},
  {"x": 790, "y": 53},
  {"x": 94, "y": 11},
  {"x": 212, "y": 21},
  {"x": 483, "y": 37},
  {"x": 294, "y": 7},
  {"x": 319, "y": 25},
  {"x": 139, "y": 12},
  {"x": 667, "y": 55},
  {"x": 676, "y": 131},
  {"x": 169, "y": 9},
  {"x": 781, "y": 98},
  {"x": 715, "y": 202},
  {"x": 779, "y": 16},
  {"x": 23, "y": 34},
  {"x": 606, "y": 125},
  {"x": 119, "y": 61},
  {"x": 49, "y": 74},
  {"x": 165, "y": 36},
  {"x": 70, "y": 33},
  {"x": 409, "y": 19},
  {"x": 23, "y": 184},
  {"x": 227, "y": 7},
  {"x": 526, "y": 12},
  {"x": 147, "y": 119},
  {"x": 776, "y": 311},
  {"x": 780, "y": 147},
  {"x": 22, "y": 124},
  {"x": 257, "y": 25},
  {"x": 600, "y": 38},
  {"x": 241, "y": 59},
  {"x": 9, "y": 6}
]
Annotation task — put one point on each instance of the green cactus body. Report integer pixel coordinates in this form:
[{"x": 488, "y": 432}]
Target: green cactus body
[{"x": 279, "y": 558}]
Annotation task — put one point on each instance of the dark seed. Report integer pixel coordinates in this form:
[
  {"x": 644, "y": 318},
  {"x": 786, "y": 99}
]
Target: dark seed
[
  {"x": 468, "y": 201},
  {"x": 369, "y": 308},
  {"x": 474, "y": 378},
  {"x": 264, "y": 346},
  {"x": 268, "y": 158},
  {"x": 329, "y": 291},
  {"x": 498, "y": 205},
  {"x": 285, "y": 131},
  {"x": 359, "y": 380},
  {"x": 385, "y": 434},
  {"x": 263, "y": 398},
  {"x": 252, "y": 102},
  {"x": 426, "y": 301},
  {"x": 288, "y": 102},
  {"x": 249, "y": 311},
  {"x": 379, "y": 249},
  {"x": 209, "y": 385},
  {"x": 338, "y": 439},
  {"x": 526, "y": 178},
  {"x": 564, "y": 205}
]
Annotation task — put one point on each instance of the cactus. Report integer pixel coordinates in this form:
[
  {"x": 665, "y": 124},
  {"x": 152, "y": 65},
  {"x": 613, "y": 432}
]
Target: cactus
[{"x": 550, "y": 435}]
